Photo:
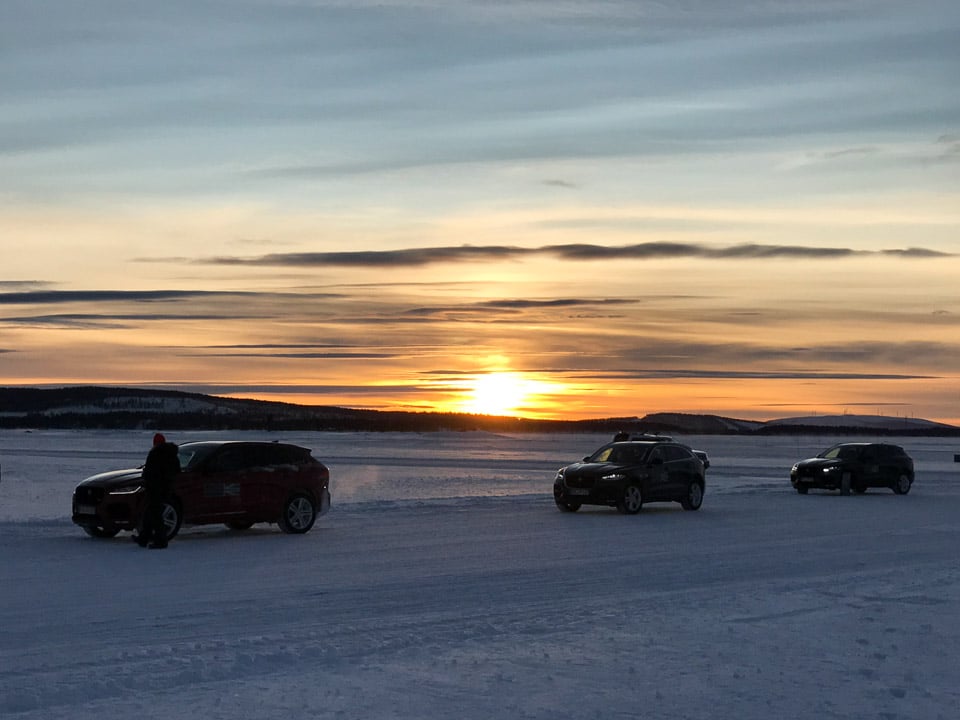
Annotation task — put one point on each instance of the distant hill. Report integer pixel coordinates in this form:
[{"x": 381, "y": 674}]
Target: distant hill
[
  {"x": 701, "y": 424},
  {"x": 811, "y": 424},
  {"x": 94, "y": 407}
]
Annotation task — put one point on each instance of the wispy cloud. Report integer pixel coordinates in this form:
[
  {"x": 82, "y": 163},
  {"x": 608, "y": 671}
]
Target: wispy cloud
[
  {"x": 414, "y": 257},
  {"x": 49, "y": 297}
]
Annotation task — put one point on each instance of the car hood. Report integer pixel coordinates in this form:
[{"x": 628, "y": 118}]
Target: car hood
[
  {"x": 586, "y": 469},
  {"x": 818, "y": 463},
  {"x": 113, "y": 478}
]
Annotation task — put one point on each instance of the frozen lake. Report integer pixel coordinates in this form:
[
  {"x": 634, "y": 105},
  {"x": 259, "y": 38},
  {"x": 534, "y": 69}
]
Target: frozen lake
[
  {"x": 444, "y": 584},
  {"x": 40, "y": 468}
]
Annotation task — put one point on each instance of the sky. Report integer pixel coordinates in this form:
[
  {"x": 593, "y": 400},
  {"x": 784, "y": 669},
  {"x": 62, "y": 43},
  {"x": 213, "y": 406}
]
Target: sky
[{"x": 561, "y": 209}]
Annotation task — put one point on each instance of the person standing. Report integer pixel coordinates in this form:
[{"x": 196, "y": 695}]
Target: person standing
[{"x": 159, "y": 472}]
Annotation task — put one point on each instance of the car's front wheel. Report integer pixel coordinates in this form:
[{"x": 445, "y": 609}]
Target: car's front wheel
[
  {"x": 802, "y": 489},
  {"x": 631, "y": 501},
  {"x": 566, "y": 506},
  {"x": 299, "y": 514},
  {"x": 172, "y": 518},
  {"x": 902, "y": 485},
  {"x": 694, "y": 497}
]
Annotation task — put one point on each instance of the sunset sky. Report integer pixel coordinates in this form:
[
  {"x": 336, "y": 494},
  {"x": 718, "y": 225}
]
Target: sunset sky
[{"x": 550, "y": 208}]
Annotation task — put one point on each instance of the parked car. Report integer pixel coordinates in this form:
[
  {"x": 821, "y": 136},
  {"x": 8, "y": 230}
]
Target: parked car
[
  {"x": 628, "y": 474},
  {"x": 855, "y": 466},
  {"x": 237, "y": 483},
  {"x": 621, "y": 436}
]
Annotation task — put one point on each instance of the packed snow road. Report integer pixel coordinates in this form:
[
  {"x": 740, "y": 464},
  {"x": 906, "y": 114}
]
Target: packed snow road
[{"x": 762, "y": 604}]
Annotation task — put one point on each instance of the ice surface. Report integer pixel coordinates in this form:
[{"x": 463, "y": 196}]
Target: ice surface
[{"x": 444, "y": 584}]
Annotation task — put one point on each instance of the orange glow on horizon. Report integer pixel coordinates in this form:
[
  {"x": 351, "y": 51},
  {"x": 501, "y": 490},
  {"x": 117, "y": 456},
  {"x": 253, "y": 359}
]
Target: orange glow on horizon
[{"x": 518, "y": 394}]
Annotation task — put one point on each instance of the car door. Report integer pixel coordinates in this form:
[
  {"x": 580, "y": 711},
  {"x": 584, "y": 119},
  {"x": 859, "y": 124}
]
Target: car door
[
  {"x": 677, "y": 468},
  {"x": 871, "y": 470},
  {"x": 222, "y": 483},
  {"x": 265, "y": 480},
  {"x": 657, "y": 477},
  {"x": 890, "y": 464}
]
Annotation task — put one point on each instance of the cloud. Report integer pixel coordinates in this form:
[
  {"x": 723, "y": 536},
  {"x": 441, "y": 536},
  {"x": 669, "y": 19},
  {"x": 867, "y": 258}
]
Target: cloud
[
  {"x": 304, "y": 355},
  {"x": 694, "y": 374},
  {"x": 377, "y": 258},
  {"x": 416, "y": 257},
  {"x": 916, "y": 253},
  {"x": 560, "y": 184},
  {"x": 101, "y": 320},
  {"x": 43, "y": 297}
]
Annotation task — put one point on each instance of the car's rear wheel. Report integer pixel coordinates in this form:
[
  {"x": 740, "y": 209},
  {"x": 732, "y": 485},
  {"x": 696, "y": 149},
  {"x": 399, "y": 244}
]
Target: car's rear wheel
[
  {"x": 239, "y": 524},
  {"x": 902, "y": 485},
  {"x": 298, "y": 516},
  {"x": 99, "y": 532},
  {"x": 631, "y": 501},
  {"x": 172, "y": 518},
  {"x": 694, "y": 497},
  {"x": 566, "y": 506}
]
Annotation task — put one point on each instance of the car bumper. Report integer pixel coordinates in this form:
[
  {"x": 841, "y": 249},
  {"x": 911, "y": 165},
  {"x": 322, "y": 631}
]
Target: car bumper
[
  {"x": 108, "y": 514},
  {"x": 324, "y": 503},
  {"x": 606, "y": 494},
  {"x": 832, "y": 481}
]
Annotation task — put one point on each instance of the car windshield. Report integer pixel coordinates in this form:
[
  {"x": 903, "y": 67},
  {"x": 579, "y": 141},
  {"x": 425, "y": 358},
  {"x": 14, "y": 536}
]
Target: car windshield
[
  {"x": 621, "y": 454},
  {"x": 841, "y": 452}
]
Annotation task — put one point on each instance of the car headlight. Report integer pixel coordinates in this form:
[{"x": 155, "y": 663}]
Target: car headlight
[
  {"x": 559, "y": 475},
  {"x": 832, "y": 469},
  {"x": 126, "y": 490},
  {"x": 613, "y": 477},
  {"x": 794, "y": 468}
]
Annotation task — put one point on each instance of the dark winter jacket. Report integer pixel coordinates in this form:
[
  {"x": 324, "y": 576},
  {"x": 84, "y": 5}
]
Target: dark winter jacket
[{"x": 161, "y": 468}]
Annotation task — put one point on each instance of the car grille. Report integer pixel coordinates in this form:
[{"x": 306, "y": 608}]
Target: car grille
[
  {"x": 118, "y": 512},
  {"x": 89, "y": 495},
  {"x": 579, "y": 482}
]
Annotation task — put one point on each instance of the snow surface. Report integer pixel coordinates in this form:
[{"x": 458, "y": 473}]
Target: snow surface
[{"x": 444, "y": 584}]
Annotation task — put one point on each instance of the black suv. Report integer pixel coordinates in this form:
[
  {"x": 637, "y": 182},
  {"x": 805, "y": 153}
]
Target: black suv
[
  {"x": 855, "y": 466},
  {"x": 628, "y": 474},
  {"x": 236, "y": 483}
]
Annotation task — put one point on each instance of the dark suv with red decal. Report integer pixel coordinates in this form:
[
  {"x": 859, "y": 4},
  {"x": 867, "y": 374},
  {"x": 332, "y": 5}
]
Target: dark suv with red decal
[{"x": 237, "y": 483}]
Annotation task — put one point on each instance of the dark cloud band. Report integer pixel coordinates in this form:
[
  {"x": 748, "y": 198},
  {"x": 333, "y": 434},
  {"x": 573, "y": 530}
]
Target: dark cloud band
[{"x": 414, "y": 257}]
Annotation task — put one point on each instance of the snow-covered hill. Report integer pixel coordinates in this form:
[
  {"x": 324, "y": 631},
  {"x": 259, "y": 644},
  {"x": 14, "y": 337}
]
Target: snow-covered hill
[{"x": 870, "y": 422}]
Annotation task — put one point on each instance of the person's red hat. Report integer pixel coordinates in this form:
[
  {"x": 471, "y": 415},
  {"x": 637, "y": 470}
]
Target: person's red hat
[{"x": 158, "y": 439}]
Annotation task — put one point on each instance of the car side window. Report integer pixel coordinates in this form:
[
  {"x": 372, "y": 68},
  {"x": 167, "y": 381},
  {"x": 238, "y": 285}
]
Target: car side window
[
  {"x": 232, "y": 459},
  {"x": 283, "y": 455},
  {"x": 889, "y": 452},
  {"x": 676, "y": 453}
]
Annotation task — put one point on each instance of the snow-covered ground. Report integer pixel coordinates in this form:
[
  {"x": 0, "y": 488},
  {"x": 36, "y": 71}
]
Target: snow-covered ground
[{"x": 444, "y": 584}]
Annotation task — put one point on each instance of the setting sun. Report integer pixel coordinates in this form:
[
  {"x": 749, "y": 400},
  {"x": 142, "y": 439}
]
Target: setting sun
[{"x": 498, "y": 393}]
